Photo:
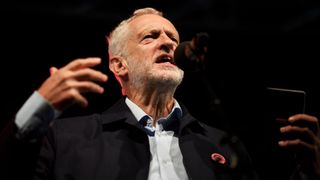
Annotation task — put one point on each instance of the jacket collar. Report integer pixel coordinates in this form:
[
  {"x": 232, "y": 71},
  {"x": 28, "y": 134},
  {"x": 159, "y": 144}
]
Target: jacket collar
[{"x": 120, "y": 112}]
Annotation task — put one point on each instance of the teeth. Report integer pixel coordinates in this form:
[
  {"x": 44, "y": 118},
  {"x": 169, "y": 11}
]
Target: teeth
[{"x": 165, "y": 59}]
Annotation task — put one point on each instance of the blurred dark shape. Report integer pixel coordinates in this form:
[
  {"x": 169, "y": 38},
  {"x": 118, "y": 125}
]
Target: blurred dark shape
[
  {"x": 191, "y": 55},
  {"x": 201, "y": 42},
  {"x": 196, "y": 90}
]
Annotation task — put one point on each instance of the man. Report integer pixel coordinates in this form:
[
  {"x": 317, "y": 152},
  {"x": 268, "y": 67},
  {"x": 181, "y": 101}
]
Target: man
[{"x": 146, "y": 135}]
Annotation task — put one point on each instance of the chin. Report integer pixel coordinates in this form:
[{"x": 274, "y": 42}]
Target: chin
[{"x": 171, "y": 78}]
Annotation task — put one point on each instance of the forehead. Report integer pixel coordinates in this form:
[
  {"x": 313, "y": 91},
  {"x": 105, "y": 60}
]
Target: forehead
[{"x": 148, "y": 22}]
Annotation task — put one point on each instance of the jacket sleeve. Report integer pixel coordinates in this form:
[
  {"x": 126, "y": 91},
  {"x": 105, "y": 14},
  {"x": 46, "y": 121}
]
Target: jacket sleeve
[
  {"x": 17, "y": 157},
  {"x": 45, "y": 161}
]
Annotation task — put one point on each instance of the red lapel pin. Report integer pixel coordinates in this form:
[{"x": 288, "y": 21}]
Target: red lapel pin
[{"x": 218, "y": 158}]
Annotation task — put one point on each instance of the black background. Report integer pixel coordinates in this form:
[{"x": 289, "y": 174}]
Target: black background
[{"x": 253, "y": 45}]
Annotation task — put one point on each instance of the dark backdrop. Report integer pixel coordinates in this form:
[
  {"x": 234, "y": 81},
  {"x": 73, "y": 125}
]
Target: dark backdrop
[{"x": 253, "y": 45}]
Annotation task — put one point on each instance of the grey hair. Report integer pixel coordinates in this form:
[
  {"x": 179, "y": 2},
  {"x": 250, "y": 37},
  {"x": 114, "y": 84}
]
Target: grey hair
[{"x": 117, "y": 38}]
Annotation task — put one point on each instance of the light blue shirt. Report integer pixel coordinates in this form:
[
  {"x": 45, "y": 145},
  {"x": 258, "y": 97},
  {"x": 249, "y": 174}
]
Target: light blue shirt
[
  {"x": 166, "y": 158},
  {"x": 34, "y": 117}
]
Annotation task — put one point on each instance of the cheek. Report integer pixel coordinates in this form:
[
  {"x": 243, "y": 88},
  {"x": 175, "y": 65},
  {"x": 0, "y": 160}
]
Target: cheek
[
  {"x": 140, "y": 60},
  {"x": 137, "y": 65}
]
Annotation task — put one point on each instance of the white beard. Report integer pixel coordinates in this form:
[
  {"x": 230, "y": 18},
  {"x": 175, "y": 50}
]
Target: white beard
[{"x": 143, "y": 75}]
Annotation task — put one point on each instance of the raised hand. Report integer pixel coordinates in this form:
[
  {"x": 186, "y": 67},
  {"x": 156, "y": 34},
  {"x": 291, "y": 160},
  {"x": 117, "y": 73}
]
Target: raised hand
[{"x": 66, "y": 86}]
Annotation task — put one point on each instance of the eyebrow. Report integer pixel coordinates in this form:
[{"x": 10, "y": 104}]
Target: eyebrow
[
  {"x": 155, "y": 30},
  {"x": 172, "y": 35}
]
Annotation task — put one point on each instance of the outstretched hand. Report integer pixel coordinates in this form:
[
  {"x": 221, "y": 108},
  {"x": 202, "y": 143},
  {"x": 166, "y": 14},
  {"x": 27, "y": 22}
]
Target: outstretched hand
[
  {"x": 67, "y": 85},
  {"x": 306, "y": 143}
]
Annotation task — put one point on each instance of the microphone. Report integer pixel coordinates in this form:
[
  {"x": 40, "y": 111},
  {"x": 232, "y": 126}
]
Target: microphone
[
  {"x": 190, "y": 54},
  {"x": 200, "y": 41}
]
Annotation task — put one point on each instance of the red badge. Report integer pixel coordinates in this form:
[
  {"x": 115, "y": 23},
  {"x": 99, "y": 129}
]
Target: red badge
[{"x": 218, "y": 158}]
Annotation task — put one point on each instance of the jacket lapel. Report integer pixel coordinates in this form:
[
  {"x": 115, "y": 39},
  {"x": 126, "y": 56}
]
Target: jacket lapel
[
  {"x": 197, "y": 148},
  {"x": 119, "y": 121}
]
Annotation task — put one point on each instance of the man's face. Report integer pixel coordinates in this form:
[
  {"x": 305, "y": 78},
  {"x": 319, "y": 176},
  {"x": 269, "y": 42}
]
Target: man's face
[{"x": 151, "y": 44}]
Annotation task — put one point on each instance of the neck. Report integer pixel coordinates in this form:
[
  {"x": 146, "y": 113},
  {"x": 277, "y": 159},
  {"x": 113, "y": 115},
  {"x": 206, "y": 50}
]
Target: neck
[{"x": 155, "y": 103}]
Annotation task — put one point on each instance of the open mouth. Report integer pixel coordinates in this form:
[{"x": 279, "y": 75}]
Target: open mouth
[{"x": 164, "y": 59}]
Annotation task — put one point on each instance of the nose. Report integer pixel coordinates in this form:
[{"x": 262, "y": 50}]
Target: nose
[{"x": 167, "y": 44}]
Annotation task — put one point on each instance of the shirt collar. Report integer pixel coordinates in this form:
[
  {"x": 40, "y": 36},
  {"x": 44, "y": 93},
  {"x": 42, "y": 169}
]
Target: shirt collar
[{"x": 139, "y": 113}]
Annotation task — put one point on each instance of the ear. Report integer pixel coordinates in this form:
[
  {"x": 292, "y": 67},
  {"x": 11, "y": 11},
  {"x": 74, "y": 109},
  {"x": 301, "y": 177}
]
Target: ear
[{"x": 118, "y": 66}]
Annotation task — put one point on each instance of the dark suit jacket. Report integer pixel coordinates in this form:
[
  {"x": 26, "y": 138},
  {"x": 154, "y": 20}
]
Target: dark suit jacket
[{"x": 113, "y": 145}]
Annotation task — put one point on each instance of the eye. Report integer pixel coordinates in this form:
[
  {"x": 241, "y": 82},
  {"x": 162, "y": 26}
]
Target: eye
[
  {"x": 148, "y": 36},
  {"x": 174, "y": 39},
  {"x": 147, "y": 39}
]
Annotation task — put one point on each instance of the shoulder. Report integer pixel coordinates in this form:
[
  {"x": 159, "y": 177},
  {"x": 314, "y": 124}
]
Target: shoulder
[
  {"x": 222, "y": 137},
  {"x": 88, "y": 125},
  {"x": 211, "y": 134},
  {"x": 196, "y": 126},
  {"x": 85, "y": 125},
  {"x": 213, "y": 131}
]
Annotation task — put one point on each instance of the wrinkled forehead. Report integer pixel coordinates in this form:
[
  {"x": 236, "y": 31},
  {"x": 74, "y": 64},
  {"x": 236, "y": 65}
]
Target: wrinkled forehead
[{"x": 150, "y": 22}]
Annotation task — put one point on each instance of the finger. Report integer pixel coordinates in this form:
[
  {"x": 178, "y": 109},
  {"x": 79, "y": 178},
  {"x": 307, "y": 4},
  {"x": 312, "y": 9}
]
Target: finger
[
  {"x": 69, "y": 98},
  {"x": 75, "y": 94},
  {"x": 296, "y": 132},
  {"x": 90, "y": 74},
  {"x": 302, "y": 117},
  {"x": 83, "y": 63},
  {"x": 305, "y": 120},
  {"x": 53, "y": 70},
  {"x": 296, "y": 144},
  {"x": 88, "y": 86},
  {"x": 82, "y": 87}
]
